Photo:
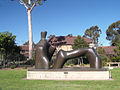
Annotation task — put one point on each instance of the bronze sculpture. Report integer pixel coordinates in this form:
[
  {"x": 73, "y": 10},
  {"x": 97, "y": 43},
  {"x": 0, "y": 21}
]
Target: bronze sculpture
[
  {"x": 44, "y": 52},
  {"x": 63, "y": 56}
]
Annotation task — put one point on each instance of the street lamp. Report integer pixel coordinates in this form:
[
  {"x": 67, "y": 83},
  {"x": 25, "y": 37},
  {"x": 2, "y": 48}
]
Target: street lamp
[{"x": 110, "y": 76}]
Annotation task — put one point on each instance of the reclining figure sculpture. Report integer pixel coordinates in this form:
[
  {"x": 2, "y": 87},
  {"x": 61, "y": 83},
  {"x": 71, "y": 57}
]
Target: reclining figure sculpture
[{"x": 44, "y": 52}]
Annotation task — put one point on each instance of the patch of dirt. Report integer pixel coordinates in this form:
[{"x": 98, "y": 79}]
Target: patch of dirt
[{"x": 12, "y": 69}]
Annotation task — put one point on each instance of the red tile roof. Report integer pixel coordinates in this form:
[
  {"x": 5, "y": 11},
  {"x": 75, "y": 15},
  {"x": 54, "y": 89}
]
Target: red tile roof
[
  {"x": 109, "y": 49},
  {"x": 66, "y": 40},
  {"x": 24, "y": 47}
]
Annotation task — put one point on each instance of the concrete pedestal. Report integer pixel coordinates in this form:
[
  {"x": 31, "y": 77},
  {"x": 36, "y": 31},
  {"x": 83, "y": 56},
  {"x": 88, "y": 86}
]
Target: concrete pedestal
[{"x": 68, "y": 75}]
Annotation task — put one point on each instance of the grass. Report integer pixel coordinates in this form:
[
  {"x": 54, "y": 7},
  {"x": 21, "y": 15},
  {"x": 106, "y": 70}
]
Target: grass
[{"x": 13, "y": 80}]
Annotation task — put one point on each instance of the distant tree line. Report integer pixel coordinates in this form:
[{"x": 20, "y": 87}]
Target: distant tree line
[
  {"x": 10, "y": 52},
  {"x": 113, "y": 35}
]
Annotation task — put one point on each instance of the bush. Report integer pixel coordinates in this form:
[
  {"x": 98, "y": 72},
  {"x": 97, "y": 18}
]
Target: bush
[
  {"x": 25, "y": 67},
  {"x": 30, "y": 62},
  {"x": 72, "y": 61},
  {"x": 104, "y": 60},
  {"x": 114, "y": 59},
  {"x": 12, "y": 67},
  {"x": 117, "y": 58},
  {"x": 0, "y": 67},
  {"x": 71, "y": 65}
]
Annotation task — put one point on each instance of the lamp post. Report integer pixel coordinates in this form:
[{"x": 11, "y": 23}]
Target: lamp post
[{"x": 110, "y": 76}]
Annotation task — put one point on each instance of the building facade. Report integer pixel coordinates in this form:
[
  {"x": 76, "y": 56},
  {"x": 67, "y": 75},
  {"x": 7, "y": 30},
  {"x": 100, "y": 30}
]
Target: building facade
[
  {"x": 25, "y": 51},
  {"x": 109, "y": 50},
  {"x": 65, "y": 42}
]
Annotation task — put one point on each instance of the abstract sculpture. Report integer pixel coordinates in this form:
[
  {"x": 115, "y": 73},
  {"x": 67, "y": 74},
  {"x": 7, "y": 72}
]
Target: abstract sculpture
[
  {"x": 63, "y": 56},
  {"x": 44, "y": 52}
]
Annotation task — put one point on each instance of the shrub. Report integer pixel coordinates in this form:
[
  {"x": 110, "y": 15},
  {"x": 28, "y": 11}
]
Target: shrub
[
  {"x": 0, "y": 67},
  {"x": 25, "y": 67},
  {"x": 72, "y": 61},
  {"x": 12, "y": 67},
  {"x": 71, "y": 65},
  {"x": 104, "y": 60},
  {"x": 30, "y": 62}
]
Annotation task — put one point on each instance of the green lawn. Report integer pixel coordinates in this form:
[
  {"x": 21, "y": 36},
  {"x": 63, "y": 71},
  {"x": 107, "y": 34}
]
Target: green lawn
[{"x": 13, "y": 80}]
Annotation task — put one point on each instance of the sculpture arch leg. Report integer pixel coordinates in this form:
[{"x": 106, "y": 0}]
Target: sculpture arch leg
[
  {"x": 63, "y": 56},
  {"x": 42, "y": 61},
  {"x": 94, "y": 59}
]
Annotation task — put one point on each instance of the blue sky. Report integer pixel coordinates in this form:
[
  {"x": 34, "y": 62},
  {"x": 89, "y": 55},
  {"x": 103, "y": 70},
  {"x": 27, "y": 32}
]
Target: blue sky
[{"x": 59, "y": 17}]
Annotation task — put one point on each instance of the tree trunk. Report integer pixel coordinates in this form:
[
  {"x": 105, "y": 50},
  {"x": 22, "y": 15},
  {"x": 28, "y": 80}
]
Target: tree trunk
[
  {"x": 4, "y": 60},
  {"x": 78, "y": 61},
  {"x": 82, "y": 60},
  {"x": 30, "y": 34}
]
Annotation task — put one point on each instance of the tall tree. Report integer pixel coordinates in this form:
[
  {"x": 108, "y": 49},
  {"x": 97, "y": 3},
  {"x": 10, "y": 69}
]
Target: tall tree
[
  {"x": 27, "y": 43},
  {"x": 29, "y": 5},
  {"x": 93, "y": 33},
  {"x": 15, "y": 55},
  {"x": 113, "y": 33},
  {"x": 79, "y": 43},
  {"x": 70, "y": 35},
  {"x": 51, "y": 36},
  {"x": 101, "y": 51},
  {"x": 7, "y": 44},
  {"x": 117, "y": 52}
]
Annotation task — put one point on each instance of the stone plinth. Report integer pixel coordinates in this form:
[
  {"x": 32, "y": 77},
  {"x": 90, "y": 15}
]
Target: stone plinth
[{"x": 68, "y": 74}]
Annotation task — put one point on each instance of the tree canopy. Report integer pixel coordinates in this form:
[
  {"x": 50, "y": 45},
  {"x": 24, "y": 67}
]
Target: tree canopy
[
  {"x": 51, "y": 36},
  {"x": 7, "y": 42},
  {"x": 30, "y": 4},
  {"x": 113, "y": 33},
  {"x": 79, "y": 43},
  {"x": 117, "y": 52},
  {"x": 100, "y": 51},
  {"x": 8, "y": 46},
  {"x": 93, "y": 33}
]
